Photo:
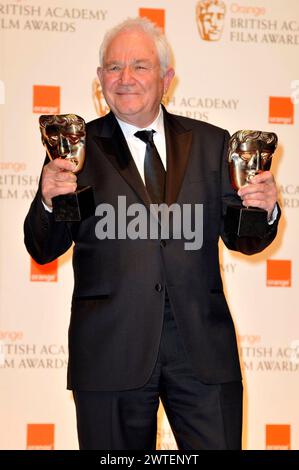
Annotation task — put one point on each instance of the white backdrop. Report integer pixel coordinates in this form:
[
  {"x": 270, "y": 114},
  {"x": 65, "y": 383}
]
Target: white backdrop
[{"x": 247, "y": 78}]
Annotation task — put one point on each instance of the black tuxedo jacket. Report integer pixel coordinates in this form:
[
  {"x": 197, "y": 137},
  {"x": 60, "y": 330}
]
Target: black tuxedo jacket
[{"x": 119, "y": 284}]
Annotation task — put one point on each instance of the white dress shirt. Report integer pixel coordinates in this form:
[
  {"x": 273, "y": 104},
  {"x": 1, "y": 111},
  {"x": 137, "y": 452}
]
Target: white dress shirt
[{"x": 137, "y": 146}]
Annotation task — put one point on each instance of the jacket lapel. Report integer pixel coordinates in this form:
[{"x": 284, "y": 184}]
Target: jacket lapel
[
  {"x": 178, "y": 145},
  {"x": 115, "y": 148}
]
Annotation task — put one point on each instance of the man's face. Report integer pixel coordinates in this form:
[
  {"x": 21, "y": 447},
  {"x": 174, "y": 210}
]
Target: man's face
[
  {"x": 211, "y": 22},
  {"x": 65, "y": 142},
  {"x": 131, "y": 78}
]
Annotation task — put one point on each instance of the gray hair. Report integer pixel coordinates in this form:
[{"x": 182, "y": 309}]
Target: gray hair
[{"x": 149, "y": 28}]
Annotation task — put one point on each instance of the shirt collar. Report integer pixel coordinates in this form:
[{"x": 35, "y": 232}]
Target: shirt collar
[{"x": 129, "y": 129}]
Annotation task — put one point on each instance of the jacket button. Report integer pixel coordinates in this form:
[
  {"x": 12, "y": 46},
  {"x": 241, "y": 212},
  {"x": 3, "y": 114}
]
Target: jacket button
[
  {"x": 159, "y": 287},
  {"x": 163, "y": 243}
]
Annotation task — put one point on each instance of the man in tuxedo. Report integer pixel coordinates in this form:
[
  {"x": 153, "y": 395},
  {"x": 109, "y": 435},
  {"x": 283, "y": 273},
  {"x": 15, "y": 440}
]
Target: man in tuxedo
[{"x": 149, "y": 319}]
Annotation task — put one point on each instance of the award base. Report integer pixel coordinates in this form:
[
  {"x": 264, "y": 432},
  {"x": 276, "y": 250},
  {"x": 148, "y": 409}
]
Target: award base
[
  {"x": 74, "y": 207},
  {"x": 246, "y": 221}
]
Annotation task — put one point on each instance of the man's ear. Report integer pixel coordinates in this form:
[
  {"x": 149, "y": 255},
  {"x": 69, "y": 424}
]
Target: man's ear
[{"x": 168, "y": 78}]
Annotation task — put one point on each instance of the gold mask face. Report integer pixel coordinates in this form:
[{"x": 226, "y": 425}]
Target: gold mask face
[
  {"x": 249, "y": 153},
  {"x": 64, "y": 136}
]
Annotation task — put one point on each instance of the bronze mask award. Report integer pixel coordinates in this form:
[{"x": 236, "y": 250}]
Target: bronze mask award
[
  {"x": 249, "y": 153},
  {"x": 64, "y": 136}
]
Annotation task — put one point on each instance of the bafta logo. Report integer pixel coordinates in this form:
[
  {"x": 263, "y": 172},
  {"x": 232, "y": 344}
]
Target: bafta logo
[
  {"x": 210, "y": 19},
  {"x": 99, "y": 101}
]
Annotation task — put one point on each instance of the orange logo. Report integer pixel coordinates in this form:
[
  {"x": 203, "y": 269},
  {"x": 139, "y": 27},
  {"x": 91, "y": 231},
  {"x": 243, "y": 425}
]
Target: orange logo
[
  {"x": 46, "y": 99},
  {"x": 155, "y": 15},
  {"x": 44, "y": 272},
  {"x": 40, "y": 436},
  {"x": 281, "y": 110},
  {"x": 278, "y": 437},
  {"x": 210, "y": 16},
  {"x": 279, "y": 272}
]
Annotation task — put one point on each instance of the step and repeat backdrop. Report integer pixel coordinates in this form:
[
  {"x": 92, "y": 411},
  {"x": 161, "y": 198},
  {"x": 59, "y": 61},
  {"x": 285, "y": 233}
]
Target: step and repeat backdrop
[{"x": 237, "y": 67}]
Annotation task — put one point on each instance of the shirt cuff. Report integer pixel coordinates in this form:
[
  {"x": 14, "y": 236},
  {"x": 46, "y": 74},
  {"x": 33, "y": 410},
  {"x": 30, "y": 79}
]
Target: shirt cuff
[
  {"x": 50, "y": 209},
  {"x": 273, "y": 215}
]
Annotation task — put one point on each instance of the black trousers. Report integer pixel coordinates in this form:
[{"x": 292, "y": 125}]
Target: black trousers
[{"x": 201, "y": 416}]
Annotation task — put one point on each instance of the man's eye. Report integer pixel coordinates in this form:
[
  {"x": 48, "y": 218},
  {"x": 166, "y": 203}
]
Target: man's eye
[
  {"x": 140, "y": 67},
  {"x": 113, "y": 68}
]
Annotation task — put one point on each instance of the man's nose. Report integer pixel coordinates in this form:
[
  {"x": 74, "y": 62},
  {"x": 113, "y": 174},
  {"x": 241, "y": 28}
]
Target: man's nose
[
  {"x": 63, "y": 147},
  {"x": 126, "y": 75}
]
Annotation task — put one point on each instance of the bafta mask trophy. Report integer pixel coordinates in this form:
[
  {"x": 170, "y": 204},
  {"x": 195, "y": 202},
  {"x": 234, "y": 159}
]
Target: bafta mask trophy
[
  {"x": 63, "y": 136},
  {"x": 249, "y": 153}
]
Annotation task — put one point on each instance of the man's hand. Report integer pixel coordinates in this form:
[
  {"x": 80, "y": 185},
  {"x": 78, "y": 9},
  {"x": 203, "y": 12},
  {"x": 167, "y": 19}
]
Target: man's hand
[
  {"x": 260, "y": 192},
  {"x": 57, "y": 178}
]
